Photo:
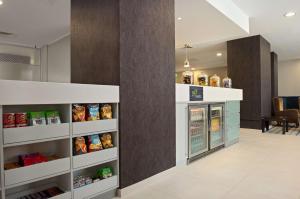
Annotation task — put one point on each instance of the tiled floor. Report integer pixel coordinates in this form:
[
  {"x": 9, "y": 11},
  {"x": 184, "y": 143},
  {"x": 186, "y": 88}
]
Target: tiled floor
[{"x": 261, "y": 166}]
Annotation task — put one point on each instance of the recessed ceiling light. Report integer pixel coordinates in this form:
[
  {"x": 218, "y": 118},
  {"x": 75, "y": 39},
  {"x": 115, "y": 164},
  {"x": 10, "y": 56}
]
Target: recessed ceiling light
[
  {"x": 219, "y": 54},
  {"x": 179, "y": 18},
  {"x": 1, "y": 2},
  {"x": 290, "y": 14}
]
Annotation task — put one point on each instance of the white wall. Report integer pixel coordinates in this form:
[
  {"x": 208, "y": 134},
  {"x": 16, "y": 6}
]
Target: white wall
[
  {"x": 289, "y": 78},
  {"x": 59, "y": 61},
  {"x": 50, "y": 63}
]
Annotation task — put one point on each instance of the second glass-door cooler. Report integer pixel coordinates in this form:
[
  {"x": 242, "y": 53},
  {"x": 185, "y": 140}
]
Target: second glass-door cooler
[
  {"x": 216, "y": 131},
  {"x": 198, "y": 130}
]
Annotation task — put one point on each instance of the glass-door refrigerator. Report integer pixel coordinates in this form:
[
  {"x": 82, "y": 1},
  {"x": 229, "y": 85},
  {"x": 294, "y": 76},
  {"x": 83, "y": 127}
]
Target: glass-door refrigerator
[
  {"x": 216, "y": 125},
  {"x": 198, "y": 130}
]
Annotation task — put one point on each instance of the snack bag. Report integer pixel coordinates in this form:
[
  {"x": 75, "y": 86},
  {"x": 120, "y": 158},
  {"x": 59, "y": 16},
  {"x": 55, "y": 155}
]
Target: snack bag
[
  {"x": 106, "y": 112},
  {"x": 78, "y": 113},
  {"x": 37, "y": 118},
  {"x": 9, "y": 120},
  {"x": 21, "y": 119},
  {"x": 105, "y": 172},
  {"x": 80, "y": 146},
  {"x": 53, "y": 117},
  {"x": 106, "y": 140},
  {"x": 93, "y": 112},
  {"x": 94, "y": 143}
]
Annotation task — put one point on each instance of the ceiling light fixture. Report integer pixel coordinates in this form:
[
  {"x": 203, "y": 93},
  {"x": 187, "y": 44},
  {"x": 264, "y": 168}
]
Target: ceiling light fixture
[
  {"x": 219, "y": 54},
  {"x": 290, "y": 14},
  {"x": 1, "y": 2},
  {"x": 179, "y": 18},
  {"x": 186, "y": 62}
]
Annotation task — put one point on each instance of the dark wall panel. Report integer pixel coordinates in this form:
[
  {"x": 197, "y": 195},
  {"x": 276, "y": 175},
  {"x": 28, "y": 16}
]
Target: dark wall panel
[
  {"x": 95, "y": 42},
  {"x": 274, "y": 74},
  {"x": 244, "y": 69},
  {"x": 249, "y": 67},
  {"x": 266, "y": 88},
  {"x": 147, "y": 44}
]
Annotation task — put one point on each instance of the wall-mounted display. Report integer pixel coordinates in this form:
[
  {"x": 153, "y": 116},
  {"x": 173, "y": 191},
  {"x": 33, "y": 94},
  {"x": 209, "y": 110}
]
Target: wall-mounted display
[
  {"x": 215, "y": 81},
  {"x": 188, "y": 77},
  {"x": 203, "y": 79},
  {"x": 227, "y": 82}
]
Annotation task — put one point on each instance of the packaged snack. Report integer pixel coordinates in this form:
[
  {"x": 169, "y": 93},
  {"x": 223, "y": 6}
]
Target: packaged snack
[
  {"x": 37, "y": 118},
  {"x": 9, "y": 120},
  {"x": 30, "y": 159},
  {"x": 106, "y": 140},
  {"x": 54, "y": 191},
  {"x": 105, "y": 172},
  {"x": 52, "y": 117},
  {"x": 93, "y": 112},
  {"x": 215, "y": 81},
  {"x": 188, "y": 77},
  {"x": 21, "y": 119},
  {"x": 88, "y": 180},
  {"x": 106, "y": 112},
  {"x": 227, "y": 82},
  {"x": 78, "y": 113},
  {"x": 94, "y": 143},
  {"x": 80, "y": 146},
  {"x": 203, "y": 79}
]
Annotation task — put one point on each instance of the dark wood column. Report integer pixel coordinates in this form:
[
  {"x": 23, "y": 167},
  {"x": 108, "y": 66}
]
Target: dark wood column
[
  {"x": 249, "y": 66},
  {"x": 274, "y": 76},
  {"x": 95, "y": 42},
  {"x": 131, "y": 43}
]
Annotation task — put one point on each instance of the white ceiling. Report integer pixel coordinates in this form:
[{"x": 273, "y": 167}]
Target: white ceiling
[
  {"x": 206, "y": 29},
  {"x": 34, "y": 22},
  {"x": 266, "y": 18}
]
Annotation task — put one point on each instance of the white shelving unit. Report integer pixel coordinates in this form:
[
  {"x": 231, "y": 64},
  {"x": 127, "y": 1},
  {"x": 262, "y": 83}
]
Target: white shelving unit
[{"x": 20, "y": 96}]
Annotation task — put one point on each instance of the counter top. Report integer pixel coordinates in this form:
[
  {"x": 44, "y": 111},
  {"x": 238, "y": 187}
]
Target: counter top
[
  {"x": 210, "y": 94},
  {"x": 28, "y": 92}
]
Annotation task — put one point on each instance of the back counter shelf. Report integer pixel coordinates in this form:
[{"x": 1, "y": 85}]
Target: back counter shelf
[{"x": 55, "y": 142}]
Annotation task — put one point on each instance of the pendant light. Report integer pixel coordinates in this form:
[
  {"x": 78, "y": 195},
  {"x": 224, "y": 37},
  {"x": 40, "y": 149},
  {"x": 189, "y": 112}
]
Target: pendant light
[{"x": 186, "y": 62}]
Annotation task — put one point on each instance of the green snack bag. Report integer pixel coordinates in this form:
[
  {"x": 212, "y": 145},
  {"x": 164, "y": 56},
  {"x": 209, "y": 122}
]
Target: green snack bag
[
  {"x": 52, "y": 117},
  {"x": 37, "y": 118},
  {"x": 105, "y": 172}
]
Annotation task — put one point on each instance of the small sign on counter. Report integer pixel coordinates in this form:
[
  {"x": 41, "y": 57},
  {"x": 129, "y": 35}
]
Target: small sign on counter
[{"x": 196, "y": 93}]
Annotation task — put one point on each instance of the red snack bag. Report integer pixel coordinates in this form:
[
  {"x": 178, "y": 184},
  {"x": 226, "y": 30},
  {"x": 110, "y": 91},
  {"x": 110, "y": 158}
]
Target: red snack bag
[
  {"x": 9, "y": 120},
  {"x": 21, "y": 119}
]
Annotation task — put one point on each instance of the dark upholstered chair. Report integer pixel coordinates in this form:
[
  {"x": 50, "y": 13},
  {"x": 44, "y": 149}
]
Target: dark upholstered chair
[{"x": 292, "y": 115}]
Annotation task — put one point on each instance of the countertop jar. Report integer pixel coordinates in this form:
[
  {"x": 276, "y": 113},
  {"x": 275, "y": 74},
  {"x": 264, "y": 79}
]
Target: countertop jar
[
  {"x": 214, "y": 81},
  {"x": 227, "y": 82},
  {"x": 203, "y": 79},
  {"x": 188, "y": 77}
]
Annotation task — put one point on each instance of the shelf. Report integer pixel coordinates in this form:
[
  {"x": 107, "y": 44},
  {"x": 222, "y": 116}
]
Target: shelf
[
  {"x": 85, "y": 128},
  {"x": 34, "y": 134},
  {"x": 94, "y": 189},
  {"x": 95, "y": 158},
  {"x": 65, "y": 195},
  {"x": 36, "y": 172}
]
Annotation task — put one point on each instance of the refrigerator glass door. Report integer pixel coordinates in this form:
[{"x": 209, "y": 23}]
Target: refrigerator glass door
[
  {"x": 216, "y": 126},
  {"x": 198, "y": 130}
]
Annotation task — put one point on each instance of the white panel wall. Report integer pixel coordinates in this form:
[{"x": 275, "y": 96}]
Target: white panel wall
[
  {"x": 289, "y": 78},
  {"x": 59, "y": 61},
  {"x": 17, "y": 71}
]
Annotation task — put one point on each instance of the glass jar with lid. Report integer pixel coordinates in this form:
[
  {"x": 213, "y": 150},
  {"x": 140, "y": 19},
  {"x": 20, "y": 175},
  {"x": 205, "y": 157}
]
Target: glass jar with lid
[
  {"x": 227, "y": 82},
  {"x": 214, "y": 81},
  {"x": 188, "y": 77},
  {"x": 203, "y": 79}
]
